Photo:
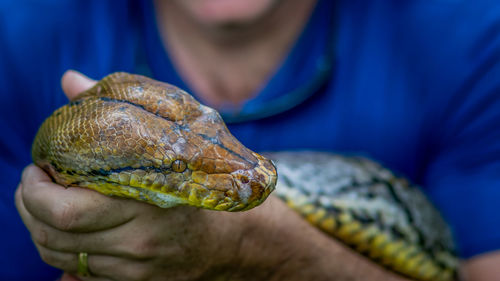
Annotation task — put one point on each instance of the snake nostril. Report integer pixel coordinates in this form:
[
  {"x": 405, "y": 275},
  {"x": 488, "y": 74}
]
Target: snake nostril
[
  {"x": 244, "y": 179},
  {"x": 179, "y": 166}
]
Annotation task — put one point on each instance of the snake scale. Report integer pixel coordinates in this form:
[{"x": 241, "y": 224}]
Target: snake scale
[{"x": 134, "y": 137}]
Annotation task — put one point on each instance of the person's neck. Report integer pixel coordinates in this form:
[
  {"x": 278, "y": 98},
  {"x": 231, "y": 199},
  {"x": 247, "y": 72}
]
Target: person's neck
[{"x": 225, "y": 66}]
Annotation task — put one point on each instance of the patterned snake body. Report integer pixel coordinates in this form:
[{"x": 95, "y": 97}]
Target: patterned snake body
[
  {"x": 370, "y": 209},
  {"x": 134, "y": 137}
]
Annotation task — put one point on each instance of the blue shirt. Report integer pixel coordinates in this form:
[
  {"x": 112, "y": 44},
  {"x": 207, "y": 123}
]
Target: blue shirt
[{"x": 412, "y": 84}]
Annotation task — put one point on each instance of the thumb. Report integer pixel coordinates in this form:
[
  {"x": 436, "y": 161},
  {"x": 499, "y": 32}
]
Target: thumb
[{"x": 74, "y": 82}]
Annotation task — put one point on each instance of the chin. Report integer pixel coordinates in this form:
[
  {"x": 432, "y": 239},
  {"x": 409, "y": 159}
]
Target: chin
[{"x": 227, "y": 12}]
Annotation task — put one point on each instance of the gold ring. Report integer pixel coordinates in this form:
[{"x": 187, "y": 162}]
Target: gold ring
[{"x": 83, "y": 265}]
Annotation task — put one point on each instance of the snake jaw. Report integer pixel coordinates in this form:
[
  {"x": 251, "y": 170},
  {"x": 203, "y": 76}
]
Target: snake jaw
[
  {"x": 242, "y": 190},
  {"x": 238, "y": 191}
]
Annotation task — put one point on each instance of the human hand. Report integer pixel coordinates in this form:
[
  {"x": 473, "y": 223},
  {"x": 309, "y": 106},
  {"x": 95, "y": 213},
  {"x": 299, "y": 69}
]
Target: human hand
[
  {"x": 125, "y": 239},
  {"x": 130, "y": 240}
]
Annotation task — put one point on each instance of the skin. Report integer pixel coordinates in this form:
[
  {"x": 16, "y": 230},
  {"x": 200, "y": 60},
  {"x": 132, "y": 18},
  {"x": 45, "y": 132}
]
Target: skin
[
  {"x": 226, "y": 58},
  {"x": 225, "y": 50},
  {"x": 483, "y": 267}
]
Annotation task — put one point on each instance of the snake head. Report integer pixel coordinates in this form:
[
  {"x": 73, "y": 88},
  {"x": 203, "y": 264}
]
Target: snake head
[{"x": 135, "y": 137}]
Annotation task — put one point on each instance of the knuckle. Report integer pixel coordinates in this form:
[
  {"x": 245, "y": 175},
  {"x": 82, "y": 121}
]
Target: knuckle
[
  {"x": 144, "y": 248},
  {"x": 49, "y": 258},
  {"x": 65, "y": 217},
  {"x": 25, "y": 175},
  {"x": 40, "y": 236}
]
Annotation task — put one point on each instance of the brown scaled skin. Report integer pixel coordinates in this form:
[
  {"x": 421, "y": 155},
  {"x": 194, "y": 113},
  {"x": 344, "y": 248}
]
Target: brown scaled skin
[{"x": 135, "y": 137}]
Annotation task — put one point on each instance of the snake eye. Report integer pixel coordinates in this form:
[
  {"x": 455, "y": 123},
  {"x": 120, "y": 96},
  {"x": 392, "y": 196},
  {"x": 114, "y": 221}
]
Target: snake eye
[{"x": 179, "y": 166}]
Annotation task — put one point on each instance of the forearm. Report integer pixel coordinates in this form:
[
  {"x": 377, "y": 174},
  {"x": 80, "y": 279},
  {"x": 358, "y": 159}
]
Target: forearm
[
  {"x": 284, "y": 246},
  {"x": 482, "y": 267}
]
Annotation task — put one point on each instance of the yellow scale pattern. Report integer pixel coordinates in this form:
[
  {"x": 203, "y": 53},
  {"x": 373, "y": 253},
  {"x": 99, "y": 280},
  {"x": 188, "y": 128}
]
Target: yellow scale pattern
[{"x": 397, "y": 255}]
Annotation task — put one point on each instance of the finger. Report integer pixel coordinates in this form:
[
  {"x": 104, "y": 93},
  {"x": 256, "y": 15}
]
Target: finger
[
  {"x": 127, "y": 240},
  {"x": 99, "y": 243},
  {"x": 74, "y": 82},
  {"x": 25, "y": 216},
  {"x": 65, "y": 261},
  {"x": 72, "y": 209},
  {"x": 101, "y": 267}
]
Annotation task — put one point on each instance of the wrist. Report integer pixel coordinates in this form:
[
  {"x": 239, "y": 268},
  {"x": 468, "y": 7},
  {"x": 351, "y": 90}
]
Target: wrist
[
  {"x": 250, "y": 247},
  {"x": 275, "y": 243}
]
